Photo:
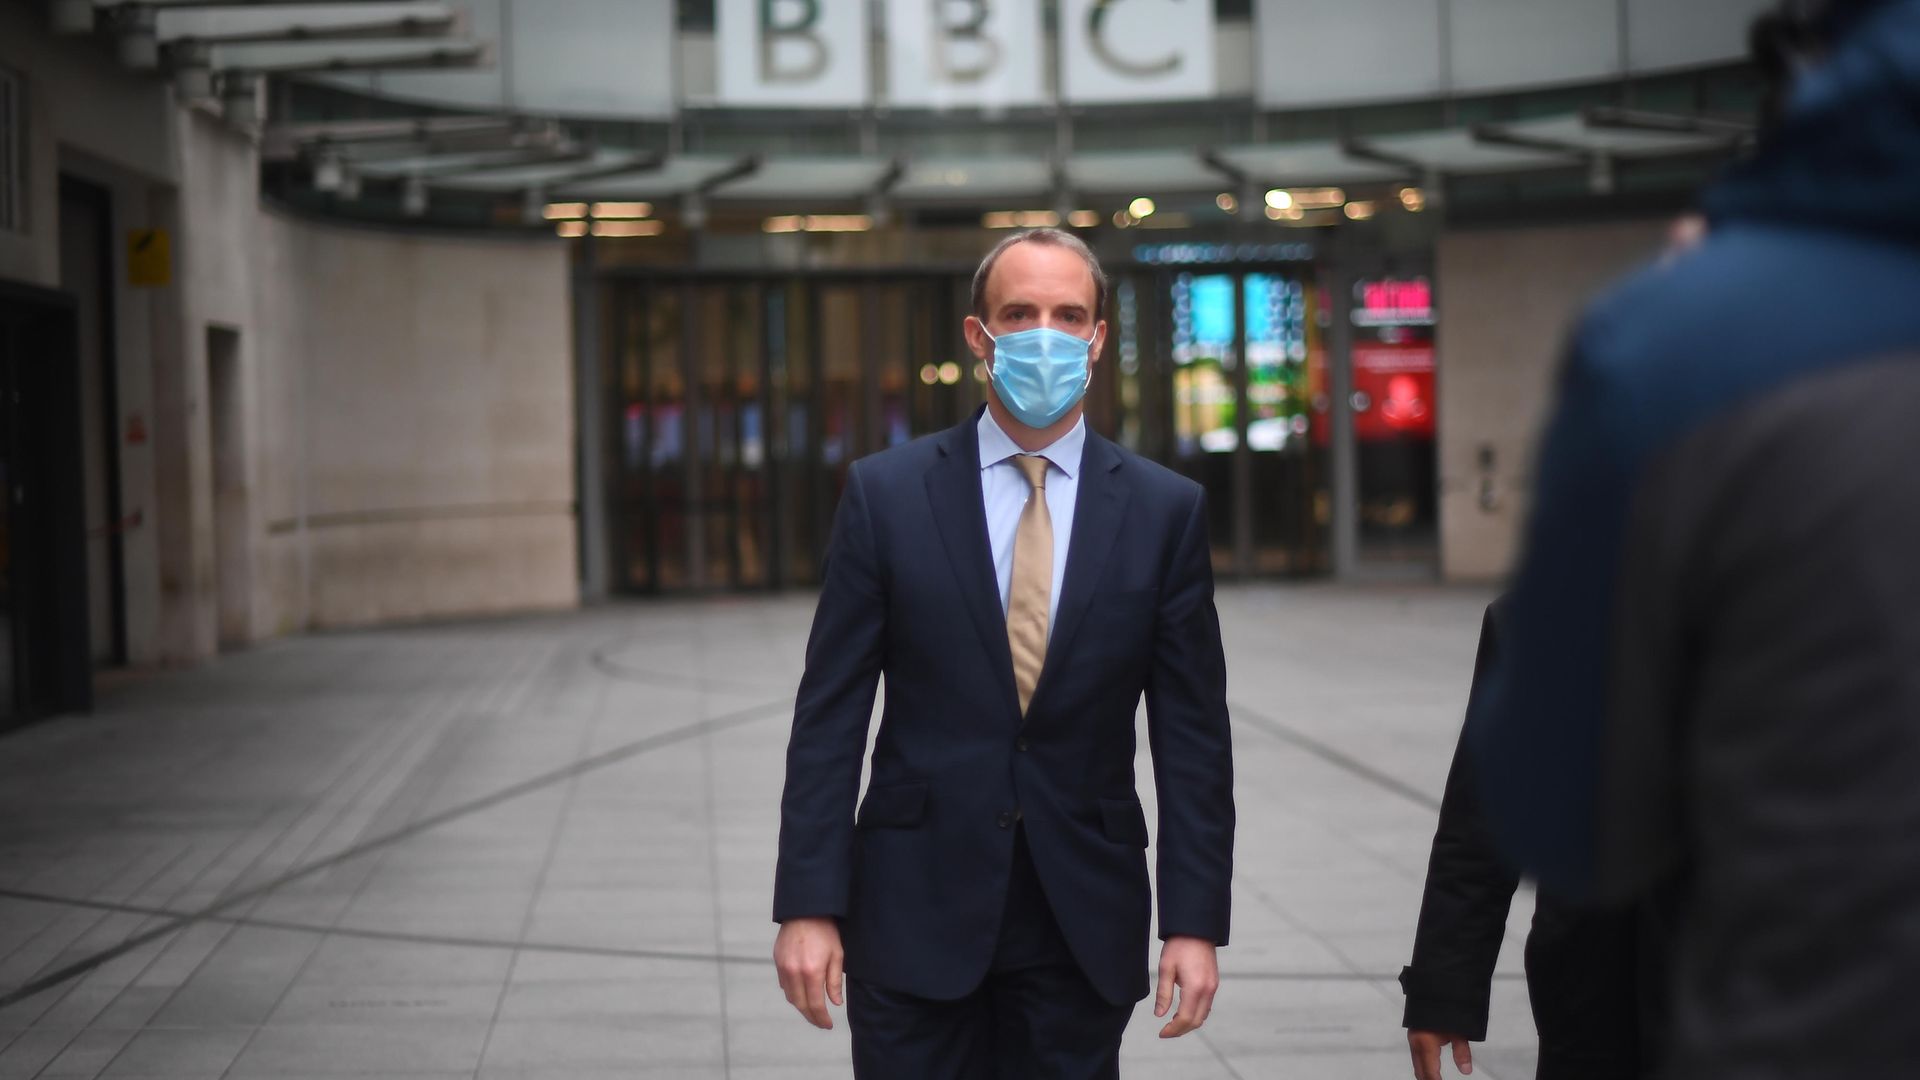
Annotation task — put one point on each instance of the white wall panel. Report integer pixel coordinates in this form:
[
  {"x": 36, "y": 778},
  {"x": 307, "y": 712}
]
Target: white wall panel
[
  {"x": 1315, "y": 52},
  {"x": 603, "y": 58},
  {"x": 1497, "y": 44},
  {"x": 1665, "y": 34},
  {"x": 592, "y": 57}
]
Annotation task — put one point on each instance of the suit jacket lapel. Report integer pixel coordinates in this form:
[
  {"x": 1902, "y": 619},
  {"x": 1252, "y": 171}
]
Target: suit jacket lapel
[
  {"x": 1097, "y": 513},
  {"x": 960, "y": 516}
]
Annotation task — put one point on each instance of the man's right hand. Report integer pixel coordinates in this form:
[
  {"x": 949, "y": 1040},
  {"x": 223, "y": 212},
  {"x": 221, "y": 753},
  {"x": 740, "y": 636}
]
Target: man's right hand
[
  {"x": 808, "y": 956},
  {"x": 1426, "y": 1047}
]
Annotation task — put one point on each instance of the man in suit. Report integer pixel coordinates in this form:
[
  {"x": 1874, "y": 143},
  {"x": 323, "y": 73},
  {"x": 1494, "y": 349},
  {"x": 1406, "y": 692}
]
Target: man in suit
[{"x": 1020, "y": 582}]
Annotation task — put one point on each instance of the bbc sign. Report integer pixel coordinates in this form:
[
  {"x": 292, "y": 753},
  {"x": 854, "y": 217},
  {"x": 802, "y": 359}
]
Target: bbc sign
[{"x": 962, "y": 53}]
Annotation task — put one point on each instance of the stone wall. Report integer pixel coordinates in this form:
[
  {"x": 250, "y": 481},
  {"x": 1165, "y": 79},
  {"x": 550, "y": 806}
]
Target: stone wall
[{"x": 1507, "y": 299}]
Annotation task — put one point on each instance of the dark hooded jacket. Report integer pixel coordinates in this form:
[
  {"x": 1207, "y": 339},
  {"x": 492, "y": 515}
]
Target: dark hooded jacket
[{"x": 1713, "y": 678}]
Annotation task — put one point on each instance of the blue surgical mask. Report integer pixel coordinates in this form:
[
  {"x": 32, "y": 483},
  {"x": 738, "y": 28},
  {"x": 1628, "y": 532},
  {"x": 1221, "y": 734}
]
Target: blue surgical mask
[{"x": 1040, "y": 374}]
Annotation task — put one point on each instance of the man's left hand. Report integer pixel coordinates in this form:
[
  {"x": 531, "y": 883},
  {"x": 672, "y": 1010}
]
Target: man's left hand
[{"x": 1188, "y": 963}]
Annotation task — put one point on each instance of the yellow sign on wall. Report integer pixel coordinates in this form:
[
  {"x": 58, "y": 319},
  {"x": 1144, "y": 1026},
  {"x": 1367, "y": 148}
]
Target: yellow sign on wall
[{"x": 149, "y": 258}]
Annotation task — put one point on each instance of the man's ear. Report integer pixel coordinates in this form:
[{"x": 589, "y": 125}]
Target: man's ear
[
  {"x": 977, "y": 340},
  {"x": 1099, "y": 342}
]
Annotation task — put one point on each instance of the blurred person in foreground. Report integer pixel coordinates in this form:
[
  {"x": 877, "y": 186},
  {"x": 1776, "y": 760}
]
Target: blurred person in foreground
[
  {"x": 1020, "y": 582},
  {"x": 1593, "y": 974},
  {"x": 1712, "y": 679}
]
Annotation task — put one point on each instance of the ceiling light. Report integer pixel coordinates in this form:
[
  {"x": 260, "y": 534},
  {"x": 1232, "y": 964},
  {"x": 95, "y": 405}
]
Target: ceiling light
[
  {"x": 1325, "y": 198},
  {"x": 1226, "y": 201},
  {"x": 571, "y": 228},
  {"x": 999, "y": 219},
  {"x": 1290, "y": 213},
  {"x": 1122, "y": 219},
  {"x": 929, "y": 374},
  {"x": 192, "y": 72},
  {"x": 949, "y": 373},
  {"x": 565, "y": 211},
  {"x": 1600, "y": 174},
  {"x": 1039, "y": 219},
  {"x": 620, "y": 209},
  {"x": 139, "y": 43},
  {"x": 838, "y": 223},
  {"x": 1141, "y": 207},
  {"x": 413, "y": 196},
  {"x": 628, "y": 228},
  {"x": 240, "y": 99},
  {"x": 328, "y": 172},
  {"x": 786, "y": 223},
  {"x": 1084, "y": 219},
  {"x": 1359, "y": 211},
  {"x": 1412, "y": 199},
  {"x": 1279, "y": 199}
]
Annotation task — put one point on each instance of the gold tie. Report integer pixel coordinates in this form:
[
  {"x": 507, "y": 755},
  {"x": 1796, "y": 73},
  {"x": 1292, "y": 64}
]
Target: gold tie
[{"x": 1032, "y": 585}]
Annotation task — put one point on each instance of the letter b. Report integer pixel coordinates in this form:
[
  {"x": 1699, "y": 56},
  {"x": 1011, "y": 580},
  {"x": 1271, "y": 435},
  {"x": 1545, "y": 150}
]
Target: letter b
[
  {"x": 969, "y": 29},
  {"x": 796, "y": 32}
]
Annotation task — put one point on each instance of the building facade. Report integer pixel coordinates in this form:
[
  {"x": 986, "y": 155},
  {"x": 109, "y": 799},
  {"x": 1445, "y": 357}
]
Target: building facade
[{"x": 483, "y": 310}]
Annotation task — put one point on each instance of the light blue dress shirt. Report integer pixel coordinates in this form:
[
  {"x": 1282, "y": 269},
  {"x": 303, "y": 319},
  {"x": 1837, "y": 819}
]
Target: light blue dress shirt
[{"x": 1004, "y": 491}]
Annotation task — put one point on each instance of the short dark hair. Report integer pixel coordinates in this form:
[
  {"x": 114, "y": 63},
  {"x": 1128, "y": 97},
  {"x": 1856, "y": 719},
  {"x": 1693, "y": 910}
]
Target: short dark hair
[{"x": 1051, "y": 237}]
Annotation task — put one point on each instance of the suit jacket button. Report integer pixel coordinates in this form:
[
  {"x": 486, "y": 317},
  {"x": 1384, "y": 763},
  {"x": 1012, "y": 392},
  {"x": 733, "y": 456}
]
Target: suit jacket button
[{"x": 1006, "y": 819}]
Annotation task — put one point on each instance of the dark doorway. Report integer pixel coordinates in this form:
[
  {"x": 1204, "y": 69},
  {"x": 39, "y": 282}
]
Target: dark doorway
[
  {"x": 87, "y": 275},
  {"x": 232, "y": 550},
  {"x": 45, "y": 654}
]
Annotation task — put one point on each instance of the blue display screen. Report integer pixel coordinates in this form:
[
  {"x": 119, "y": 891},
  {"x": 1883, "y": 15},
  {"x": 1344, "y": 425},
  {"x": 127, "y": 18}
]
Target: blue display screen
[{"x": 1212, "y": 300}]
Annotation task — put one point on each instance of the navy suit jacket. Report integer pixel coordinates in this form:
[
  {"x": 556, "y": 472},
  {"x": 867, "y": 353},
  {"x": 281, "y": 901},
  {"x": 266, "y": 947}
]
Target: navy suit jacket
[{"x": 918, "y": 878}]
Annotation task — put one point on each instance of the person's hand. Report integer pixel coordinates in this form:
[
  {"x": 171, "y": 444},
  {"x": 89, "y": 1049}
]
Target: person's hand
[
  {"x": 808, "y": 956},
  {"x": 1190, "y": 964},
  {"x": 1426, "y": 1047}
]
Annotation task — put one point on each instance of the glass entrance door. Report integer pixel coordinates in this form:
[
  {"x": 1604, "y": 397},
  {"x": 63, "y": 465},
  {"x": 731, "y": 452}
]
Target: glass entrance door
[
  {"x": 1217, "y": 369},
  {"x": 739, "y": 404}
]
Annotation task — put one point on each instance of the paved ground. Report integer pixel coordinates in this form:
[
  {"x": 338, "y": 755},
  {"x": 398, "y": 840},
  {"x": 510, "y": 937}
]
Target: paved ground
[{"x": 543, "y": 847}]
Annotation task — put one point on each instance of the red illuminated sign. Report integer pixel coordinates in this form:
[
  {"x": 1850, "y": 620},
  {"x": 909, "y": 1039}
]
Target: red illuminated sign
[
  {"x": 1393, "y": 391},
  {"x": 1388, "y": 302}
]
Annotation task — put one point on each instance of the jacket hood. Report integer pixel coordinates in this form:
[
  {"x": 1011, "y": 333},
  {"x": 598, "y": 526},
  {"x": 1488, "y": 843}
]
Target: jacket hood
[{"x": 1847, "y": 153}]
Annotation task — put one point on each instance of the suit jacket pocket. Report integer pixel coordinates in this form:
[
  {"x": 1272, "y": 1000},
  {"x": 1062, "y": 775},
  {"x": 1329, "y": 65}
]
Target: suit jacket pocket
[
  {"x": 894, "y": 806},
  {"x": 1124, "y": 821}
]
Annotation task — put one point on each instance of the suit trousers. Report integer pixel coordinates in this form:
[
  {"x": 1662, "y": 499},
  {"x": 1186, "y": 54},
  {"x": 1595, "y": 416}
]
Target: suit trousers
[{"x": 1034, "y": 1017}]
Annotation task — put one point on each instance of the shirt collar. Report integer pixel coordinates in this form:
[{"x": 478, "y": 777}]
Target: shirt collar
[{"x": 1064, "y": 453}]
